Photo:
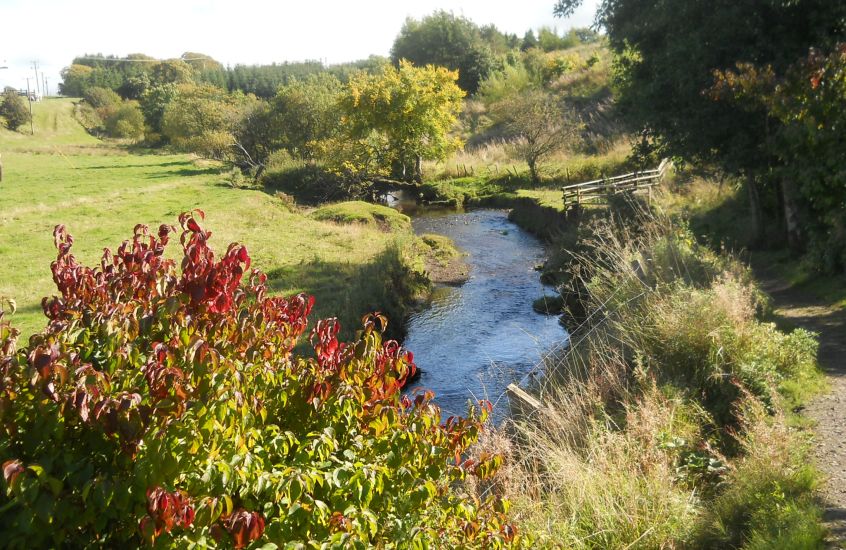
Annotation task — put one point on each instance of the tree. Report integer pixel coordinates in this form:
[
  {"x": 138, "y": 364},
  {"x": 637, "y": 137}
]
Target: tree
[
  {"x": 126, "y": 121},
  {"x": 540, "y": 125},
  {"x": 306, "y": 111},
  {"x": 500, "y": 43},
  {"x": 202, "y": 119},
  {"x": 448, "y": 41},
  {"x": 394, "y": 120},
  {"x": 14, "y": 110},
  {"x": 102, "y": 98},
  {"x": 75, "y": 80},
  {"x": 154, "y": 104},
  {"x": 212, "y": 123},
  {"x": 200, "y": 62},
  {"x": 134, "y": 87},
  {"x": 255, "y": 136},
  {"x": 668, "y": 55},
  {"x": 807, "y": 105},
  {"x": 172, "y": 71},
  {"x": 529, "y": 41},
  {"x": 549, "y": 40}
]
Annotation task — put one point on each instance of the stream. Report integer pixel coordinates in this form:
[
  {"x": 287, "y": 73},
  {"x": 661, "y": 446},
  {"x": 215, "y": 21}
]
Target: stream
[{"x": 474, "y": 339}]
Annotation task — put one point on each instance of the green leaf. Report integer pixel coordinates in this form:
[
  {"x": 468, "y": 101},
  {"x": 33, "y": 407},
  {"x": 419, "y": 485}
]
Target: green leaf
[{"x": 295, "y": 489}]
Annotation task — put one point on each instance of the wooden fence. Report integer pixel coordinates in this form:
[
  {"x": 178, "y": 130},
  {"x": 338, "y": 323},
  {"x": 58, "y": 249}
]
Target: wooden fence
[{"x": 601, "y": 189}]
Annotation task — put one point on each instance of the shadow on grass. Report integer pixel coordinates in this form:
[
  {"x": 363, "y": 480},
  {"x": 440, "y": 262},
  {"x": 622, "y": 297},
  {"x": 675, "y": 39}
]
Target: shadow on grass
[
  {"x": 121, "y": 166},
  {"x": 348, "y": 290},
  {"x": 185, "y": 172}
]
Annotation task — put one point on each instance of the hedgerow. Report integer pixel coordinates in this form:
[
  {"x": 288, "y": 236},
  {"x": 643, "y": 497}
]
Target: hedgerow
[{"x": 166, "y": 406}]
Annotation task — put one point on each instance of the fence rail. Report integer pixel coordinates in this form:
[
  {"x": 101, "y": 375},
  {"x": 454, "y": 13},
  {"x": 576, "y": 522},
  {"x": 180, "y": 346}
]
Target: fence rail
[{"x": 601, "y": 189}]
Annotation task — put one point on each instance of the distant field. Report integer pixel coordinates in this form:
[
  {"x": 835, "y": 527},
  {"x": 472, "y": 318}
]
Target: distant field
[{"x": 100, "y": 191}]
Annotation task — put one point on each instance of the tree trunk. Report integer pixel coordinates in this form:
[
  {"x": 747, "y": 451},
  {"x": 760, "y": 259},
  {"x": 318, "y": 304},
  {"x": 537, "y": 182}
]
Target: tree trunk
[
  {"x": 418, "y": 169},
  {"x": 791, "y": 216},
  {"x": 533, "y": 171},
  {"x": 755, "y": 210}
]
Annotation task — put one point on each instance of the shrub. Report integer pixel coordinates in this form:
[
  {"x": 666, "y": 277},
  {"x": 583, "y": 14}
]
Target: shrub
[
  {"x": 126, "y": 121},
  {"x": 310, "y": 183},
  {"x": 13, "y": 110},
  {"x": 88, "y": 117},
  {"x": 102, "y": 98},
  {"x": 168, "y": 406}
]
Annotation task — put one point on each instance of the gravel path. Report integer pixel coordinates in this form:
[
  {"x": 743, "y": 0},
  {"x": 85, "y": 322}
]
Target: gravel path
[{"x": 801, "y": 309}]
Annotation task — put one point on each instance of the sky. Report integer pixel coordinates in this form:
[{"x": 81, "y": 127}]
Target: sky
[{"x": 53, "y": 32}]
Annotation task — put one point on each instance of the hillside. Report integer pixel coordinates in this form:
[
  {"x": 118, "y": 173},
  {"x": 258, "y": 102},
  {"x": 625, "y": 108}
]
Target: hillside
[{"x": 101, "y": 190}]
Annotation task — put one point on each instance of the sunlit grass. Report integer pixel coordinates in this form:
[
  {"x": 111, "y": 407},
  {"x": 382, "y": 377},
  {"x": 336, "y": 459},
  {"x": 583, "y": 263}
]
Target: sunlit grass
[{"x": 61, "y": 175}]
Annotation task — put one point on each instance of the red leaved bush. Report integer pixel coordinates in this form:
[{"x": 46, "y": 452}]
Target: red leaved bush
[{"x": 165, "y": 403}]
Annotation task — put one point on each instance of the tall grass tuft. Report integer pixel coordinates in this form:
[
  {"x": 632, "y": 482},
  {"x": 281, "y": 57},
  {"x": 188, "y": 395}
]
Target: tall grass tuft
[{"x": 663, "y": 425}]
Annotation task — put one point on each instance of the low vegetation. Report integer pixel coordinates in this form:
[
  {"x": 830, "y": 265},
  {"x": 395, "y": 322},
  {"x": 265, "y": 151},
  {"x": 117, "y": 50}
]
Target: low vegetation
[
  {"x": 13, "y": 110},
  {"x": 165, "y": 406},
  {"x": 182, "y": 398},
  {"x": 358, "y": 212},
  {"x": 664, "y": 424}
]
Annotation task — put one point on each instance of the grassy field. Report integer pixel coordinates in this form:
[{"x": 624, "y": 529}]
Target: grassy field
[{"x": 101, "y": 190}]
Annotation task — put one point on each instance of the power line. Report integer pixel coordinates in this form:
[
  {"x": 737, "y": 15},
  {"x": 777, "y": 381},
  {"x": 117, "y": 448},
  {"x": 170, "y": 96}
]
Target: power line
[{"x": 37, "y": 79}]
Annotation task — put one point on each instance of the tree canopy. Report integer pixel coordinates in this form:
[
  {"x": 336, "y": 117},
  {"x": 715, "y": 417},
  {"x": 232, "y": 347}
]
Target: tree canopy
[
  {"x": 540, "y": 124},
  {"x": 202, "y": 119},
  {"x": 306, "y": 111},
  {"x": 671, "y": 58},
  {"x": 394, "y": 120},
  {"x": 449, "y": 41}
]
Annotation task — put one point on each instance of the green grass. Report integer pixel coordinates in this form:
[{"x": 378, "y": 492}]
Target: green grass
[
  {"x": 100, "y": 191},
  {"x": 719, "y": 217},
  {"x": 364, "y": 213},
  {"x": 441, "y": 249},
  {"x": 829, "y": 289}
]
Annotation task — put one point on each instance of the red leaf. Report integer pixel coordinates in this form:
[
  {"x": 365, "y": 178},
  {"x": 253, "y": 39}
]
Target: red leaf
[{"x": 11, "y": 470}]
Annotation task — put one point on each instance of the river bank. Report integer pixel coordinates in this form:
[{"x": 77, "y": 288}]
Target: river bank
[{"x": 668, "y": 422}]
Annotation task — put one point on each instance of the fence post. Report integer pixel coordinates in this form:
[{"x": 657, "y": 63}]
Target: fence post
[{"x": 523, "y": 405}]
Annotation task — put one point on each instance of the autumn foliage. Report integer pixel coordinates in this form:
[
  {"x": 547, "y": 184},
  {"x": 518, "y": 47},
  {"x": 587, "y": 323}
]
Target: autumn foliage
[{"x": 165, "y": 404}]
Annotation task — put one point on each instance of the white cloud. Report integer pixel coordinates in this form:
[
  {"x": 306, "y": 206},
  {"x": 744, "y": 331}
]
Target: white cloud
[{"x": 247, "y": 31}]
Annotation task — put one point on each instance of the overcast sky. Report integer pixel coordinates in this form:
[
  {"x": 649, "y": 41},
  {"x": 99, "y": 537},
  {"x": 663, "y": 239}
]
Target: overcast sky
[{"x": 244, "y": 31}]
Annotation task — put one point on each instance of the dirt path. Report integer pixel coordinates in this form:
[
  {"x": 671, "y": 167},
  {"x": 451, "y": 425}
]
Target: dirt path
[{"x": 801, "y": 309}]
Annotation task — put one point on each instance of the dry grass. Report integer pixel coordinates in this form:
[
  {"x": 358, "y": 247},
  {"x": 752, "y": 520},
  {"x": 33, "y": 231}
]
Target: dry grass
[
  {"x": 662, "y": 424},
  {"x": 498, "y": 159}
]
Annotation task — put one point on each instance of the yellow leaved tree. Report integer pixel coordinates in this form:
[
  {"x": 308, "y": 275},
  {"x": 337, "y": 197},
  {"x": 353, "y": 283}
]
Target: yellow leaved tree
[{"x": 393, "y": 120}]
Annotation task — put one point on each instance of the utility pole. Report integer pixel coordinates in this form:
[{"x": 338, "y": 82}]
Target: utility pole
[
  {"x": 29, "y": 98},
  {"x": 1, "y": 162},
  {"x": 46, "y": 89},
  {"x": 37, "y": 83}
]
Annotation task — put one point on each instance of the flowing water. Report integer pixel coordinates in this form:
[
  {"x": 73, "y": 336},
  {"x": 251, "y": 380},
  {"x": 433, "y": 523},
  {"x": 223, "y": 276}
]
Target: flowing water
[{"x": 475, "y": 339}]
